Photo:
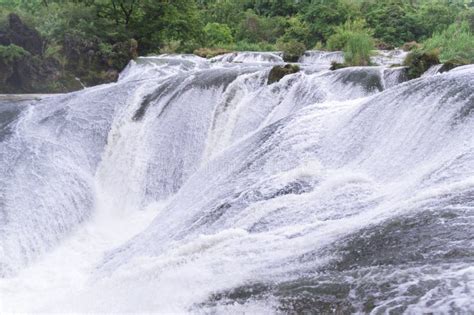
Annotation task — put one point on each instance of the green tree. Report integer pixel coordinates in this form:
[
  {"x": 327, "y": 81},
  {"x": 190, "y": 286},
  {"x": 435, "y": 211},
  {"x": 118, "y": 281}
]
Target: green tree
[
  {"x": 323, "y": 16},
  {"x": 218, "y": 34}
]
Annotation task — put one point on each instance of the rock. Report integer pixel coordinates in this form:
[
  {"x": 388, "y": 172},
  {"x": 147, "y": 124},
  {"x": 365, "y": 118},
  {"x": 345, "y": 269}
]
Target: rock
[
  {"x": 22, "y": 35},
  {"x": 451, "y": 64},
  {"x": 419, "y": 62},
  {"x": 210, "y": 52},
  {"x": 337, "y": 65},
  {"x": 279, "y": 72}
]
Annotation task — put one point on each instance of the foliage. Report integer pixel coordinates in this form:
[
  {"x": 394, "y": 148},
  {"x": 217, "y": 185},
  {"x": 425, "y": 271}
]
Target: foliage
[
  {"x": 454, "y": 43},
  {"x": 358, "y": 49},
  {"x": 418, "y": 62},
  {"x": 339, "y": 39},
  {"x": 246, "y": 46},
  {"x": 393, "y": 21},
  {"x": 355, "y": 39},
  {"x": 12, "y": 53},
  {"x": 323, "y": 16},
  {"x": 90, "y": 36},
  {"x": 254, "y": 28},
  {"x": 291, "y": 48},
  {"x": 218, "y": 34}
]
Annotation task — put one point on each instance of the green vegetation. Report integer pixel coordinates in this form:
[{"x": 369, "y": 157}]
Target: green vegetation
[
  {"x": 12, "y": 53},
  {"x": 454, "y": 43},
  {"x": 358, "y": 49},
  {"x": 218, "y": 34},
  {"x": 91, "y": 37},
  {"x": 355, "y": 39},
  {"x": 291, "y": 48},
  {"x": 419, "y": 62}
]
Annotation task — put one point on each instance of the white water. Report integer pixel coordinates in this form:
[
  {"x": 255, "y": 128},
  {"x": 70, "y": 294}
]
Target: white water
[{"x": 190, "y": 179}]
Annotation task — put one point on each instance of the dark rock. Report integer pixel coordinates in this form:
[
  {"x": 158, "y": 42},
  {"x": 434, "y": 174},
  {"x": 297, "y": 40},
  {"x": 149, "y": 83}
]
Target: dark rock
[
  {"x": 22, "y": 35},
  {"x": 336, "y": 65},
  {"x": 419, "y": 62},
  {"x": 451, "y": 64},
  {"x": 279, "y": 72}
]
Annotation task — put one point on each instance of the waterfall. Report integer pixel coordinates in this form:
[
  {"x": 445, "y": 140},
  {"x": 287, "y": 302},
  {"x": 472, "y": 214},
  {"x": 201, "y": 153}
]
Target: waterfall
[{"x": 193, "y": 186}]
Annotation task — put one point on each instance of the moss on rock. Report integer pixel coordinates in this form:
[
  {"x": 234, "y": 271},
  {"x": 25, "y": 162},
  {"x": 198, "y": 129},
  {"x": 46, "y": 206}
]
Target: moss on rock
[
  {"x": 337, "y": 65},
  {"x": 419, "y": 62},
  {"x": 453, "y": 63},
  {"x": 278, "y": 72}
]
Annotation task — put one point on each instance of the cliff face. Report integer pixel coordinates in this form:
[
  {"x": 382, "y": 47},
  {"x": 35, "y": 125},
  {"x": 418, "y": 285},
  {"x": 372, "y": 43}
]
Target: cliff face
[{"x": 26, "y": 68}]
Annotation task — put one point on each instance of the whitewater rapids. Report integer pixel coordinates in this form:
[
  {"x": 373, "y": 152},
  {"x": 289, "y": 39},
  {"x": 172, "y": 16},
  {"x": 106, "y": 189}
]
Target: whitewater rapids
[{"x": 193, "y": 186}]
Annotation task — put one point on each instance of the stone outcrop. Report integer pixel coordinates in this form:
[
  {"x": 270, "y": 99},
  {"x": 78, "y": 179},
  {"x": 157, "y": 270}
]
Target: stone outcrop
[
  {"x": 20, "y": 34},
  {"x": 278, "y": 72}
]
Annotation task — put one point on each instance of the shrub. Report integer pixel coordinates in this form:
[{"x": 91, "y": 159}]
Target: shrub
[
  {"x": 419, "y": 62},
  {"x": 217, "y": 34},
  {"x": 170, "y": 47},
  {"x": 358, "y": 49},
  {"x": 291, "y": 49},
  {"x": 456, "y": 42},
  {"x": 255, "y": 28},
  {"x": 12, "y": 53},
  {"x": 343, "y": 32}
]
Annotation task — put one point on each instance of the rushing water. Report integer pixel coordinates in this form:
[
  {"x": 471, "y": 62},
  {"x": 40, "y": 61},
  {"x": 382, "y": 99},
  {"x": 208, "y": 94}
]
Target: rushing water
[{"x": 191, "y": 185}]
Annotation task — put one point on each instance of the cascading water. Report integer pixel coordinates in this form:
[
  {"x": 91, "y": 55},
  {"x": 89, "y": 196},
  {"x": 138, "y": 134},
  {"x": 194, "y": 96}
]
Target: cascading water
[{"x": 194, "y": 186}]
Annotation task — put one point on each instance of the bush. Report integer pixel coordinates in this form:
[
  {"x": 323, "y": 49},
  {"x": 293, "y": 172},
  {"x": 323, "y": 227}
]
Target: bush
[
  {"x": 354, "y": 38},
  {"x": 456, "y": 42},
  {"x": 12, "y": 53},
  {"x": 298, "y": 30},
  {"x": 254, "y": 28},
  {"x": 170, "y": 47},
  {"x": 343, "y": 32},
  {"x": 291, "y": 49},
  {"x": 217, "y": 34},
  {"x": 358, "y": 49},
  {"x": 419, "y": 62}
]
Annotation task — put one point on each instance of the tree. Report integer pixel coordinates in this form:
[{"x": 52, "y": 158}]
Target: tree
[{"x": 218, "y": 34}]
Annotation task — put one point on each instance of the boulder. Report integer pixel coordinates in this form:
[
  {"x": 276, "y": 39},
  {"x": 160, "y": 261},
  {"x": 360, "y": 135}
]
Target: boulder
[
  {"x": 451, "y": 64},
  {"x": 337, "y": 65},
  {"x": 419, "y": 62},
  {"x": 22, "y": 35},
  {"x": 278, "y": 72}
]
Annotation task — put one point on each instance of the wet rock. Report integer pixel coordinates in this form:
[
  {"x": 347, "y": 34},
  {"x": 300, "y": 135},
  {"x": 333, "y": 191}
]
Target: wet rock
[
  {"x": 451, "y": 64},
  {"x": 337, "y": 65},
  {"x": 20, "y": 34},
  {"x": 278, "y": 72},
  {"x": 419, "y": 62}
]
